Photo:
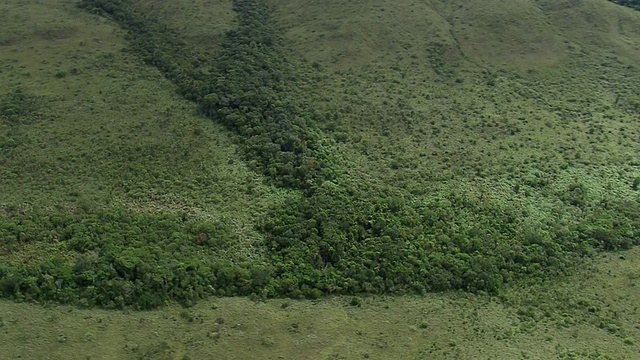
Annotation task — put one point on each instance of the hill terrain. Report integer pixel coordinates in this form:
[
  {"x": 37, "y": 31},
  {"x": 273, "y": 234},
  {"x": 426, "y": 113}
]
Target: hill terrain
[{"x": 161, "y": 151}]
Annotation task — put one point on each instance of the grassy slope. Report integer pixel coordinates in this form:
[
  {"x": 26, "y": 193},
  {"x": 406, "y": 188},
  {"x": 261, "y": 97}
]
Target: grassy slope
[
  {"x": 592, "y": 315},
  {"x": 461, "y": 121},
  {"x": 440, "y": 155},
  {"x": 202, "y": 23},
  {"x": 436, "y": 97},
  {"x": 111, "y": 132}
]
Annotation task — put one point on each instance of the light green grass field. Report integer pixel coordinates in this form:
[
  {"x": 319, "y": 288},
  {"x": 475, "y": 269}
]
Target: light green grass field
[{"x": 592, "y": 315}]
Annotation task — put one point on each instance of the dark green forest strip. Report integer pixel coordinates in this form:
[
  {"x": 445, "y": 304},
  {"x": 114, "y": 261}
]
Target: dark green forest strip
[
  {"x": 124, "y": 259},
  {"x": 247, "y": 87},
  {"x": 335, "y": 239},
  {"x": 339, "y": 243},
  {"x": 634, "y": 4}
]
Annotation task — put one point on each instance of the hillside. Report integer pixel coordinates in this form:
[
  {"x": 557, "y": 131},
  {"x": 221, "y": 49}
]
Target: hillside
[
  {"x": 162, "y": 151},
  {"x": 99, "y": 151},
  {"x": 439, "y": 176}
]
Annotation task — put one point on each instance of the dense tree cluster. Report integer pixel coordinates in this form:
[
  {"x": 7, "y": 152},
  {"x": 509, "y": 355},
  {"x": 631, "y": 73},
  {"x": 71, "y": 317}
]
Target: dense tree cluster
[
  {"x": 249, "y": 92},
  {"x": 124, "y": 259},
  {"x": 340, "y": 243}
]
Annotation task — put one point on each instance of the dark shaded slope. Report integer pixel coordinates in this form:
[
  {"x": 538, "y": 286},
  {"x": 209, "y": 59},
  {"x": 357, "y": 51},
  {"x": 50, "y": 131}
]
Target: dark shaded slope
[{"x": 634, "y": 4}]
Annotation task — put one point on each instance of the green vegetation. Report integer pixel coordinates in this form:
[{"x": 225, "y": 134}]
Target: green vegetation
[
  {"x": 451, "y": 169},
  {"x": 107, "y": 163},
  {"x": 246, "y": 86},
  {"x": 590, "y": 315},
  {"x": 634, "y": 4},
  {"x": 122, "y": 259},
  {"x": 480, "y": 154}
]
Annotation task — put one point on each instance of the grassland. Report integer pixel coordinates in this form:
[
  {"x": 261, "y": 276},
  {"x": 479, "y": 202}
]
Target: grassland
[
  {"x": 592, "y": 315},
  {"x": 396, "y": 147}
]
